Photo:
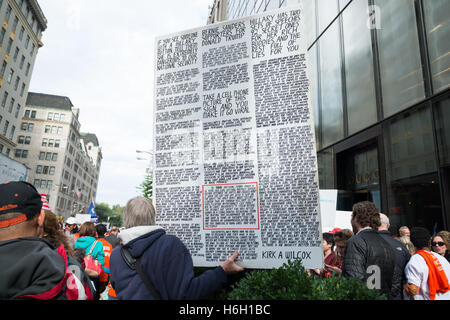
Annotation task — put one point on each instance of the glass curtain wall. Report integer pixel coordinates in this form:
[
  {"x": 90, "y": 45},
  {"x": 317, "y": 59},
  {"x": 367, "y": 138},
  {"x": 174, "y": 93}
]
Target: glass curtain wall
[
  {"x": 332, "y": 114},
  {"x": 359, "y": 76},
  {"x": 400, "y": 65},
  {"x": 411, "y": 172},
  {"x": 442, "y": 118},
  {"x": 437, "y": 25}
]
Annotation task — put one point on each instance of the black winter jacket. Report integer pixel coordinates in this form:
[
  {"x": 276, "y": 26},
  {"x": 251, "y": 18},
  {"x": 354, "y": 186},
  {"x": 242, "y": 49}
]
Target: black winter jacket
[
  {"x": 402, "y": 257},
  {"x": 371, "y": 259},
  {"x": 32, "y": 268}
]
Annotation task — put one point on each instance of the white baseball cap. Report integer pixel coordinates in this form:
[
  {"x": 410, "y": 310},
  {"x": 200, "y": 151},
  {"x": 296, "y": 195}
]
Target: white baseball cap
[{"x": 71, "y": 220}]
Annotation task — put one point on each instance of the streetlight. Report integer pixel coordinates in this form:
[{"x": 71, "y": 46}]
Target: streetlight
[
  {"x": 146, "y": 159},
  {"x": 143, "y": 151}
]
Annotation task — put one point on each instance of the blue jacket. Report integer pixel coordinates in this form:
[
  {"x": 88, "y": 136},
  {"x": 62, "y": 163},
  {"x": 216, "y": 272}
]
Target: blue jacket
[
  {"x": 86, "y": 244},
  {"x": 168, "y": 264}
]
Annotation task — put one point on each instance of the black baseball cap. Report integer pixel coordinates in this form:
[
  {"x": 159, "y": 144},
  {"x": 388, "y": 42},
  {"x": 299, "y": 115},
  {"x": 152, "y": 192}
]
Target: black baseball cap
[{"x": 21, "y": 197}]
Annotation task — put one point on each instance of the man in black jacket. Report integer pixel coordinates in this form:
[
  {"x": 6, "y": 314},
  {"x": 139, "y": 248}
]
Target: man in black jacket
[
  {"x": 368, "y": 256},
  {"x": 402, "y": 257},
  {"x": 32, "y": 268}
]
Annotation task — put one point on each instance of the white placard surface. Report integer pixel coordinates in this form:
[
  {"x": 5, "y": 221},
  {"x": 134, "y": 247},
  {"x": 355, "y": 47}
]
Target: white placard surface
[{"x": 235, "y": 164}]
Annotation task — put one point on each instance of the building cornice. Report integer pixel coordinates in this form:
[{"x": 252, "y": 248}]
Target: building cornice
[{"x": 42, "y": 20}]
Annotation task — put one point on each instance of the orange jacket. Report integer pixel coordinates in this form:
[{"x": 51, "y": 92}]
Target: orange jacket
[{"x": 107, "y": 249}]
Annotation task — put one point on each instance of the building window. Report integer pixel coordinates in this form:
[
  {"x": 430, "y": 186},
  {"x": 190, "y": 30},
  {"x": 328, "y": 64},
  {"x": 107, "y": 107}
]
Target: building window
[
  {"x": 44, "y": 142},
  {"x": 22, "y": 31},
  {"x": 27, "y": 140},
  {"x": 51, "y": 142},
  {"x": 21, "y": 153},
  {"x": 56, "y": 117},
  {"x": 400, "y": 65},
  {"x": 27, "y": 42},
  {"x": 16, "y": 84},
  {"x": 3, "y": 69},
  {"x": 11, "y": 133},
  {"x": 41, "y": 155},
  {"x": 16, "y": 53},
  {"x": 8, "y": 13},
  {"x": 11, "y": 105},
  {"x": 28, "y": 70},
  {"x": 14, "y": 26},
  {"x": 437, "y": 30},
  {"x": 22, "y": 90},
  {"x": 443, "y": 130},
  {"x": 39, "y": 169},
  {"x": 8, "y": 48},
  {"x": 51, "y": 171},
  {"x": 5, "y": 128},
  {"x": 5, "y": 97},
  {"x": 10, "y": 75},
  {"x": 331, "y": 86},
  {"x": 50, "y": 116},
  {"x": 27, "y": 126},
  {"x": 22, "y": 61},
  {"x": 33, "y": 114},
  {"x": 47, "y": 129},
  {"x": 54, "y": 157},
  {"x": 410, "y": 145},
  {"x": 48, "y": 156},
  {"x": 411, "y": 171},
  {"x": 37, "y": 183}
]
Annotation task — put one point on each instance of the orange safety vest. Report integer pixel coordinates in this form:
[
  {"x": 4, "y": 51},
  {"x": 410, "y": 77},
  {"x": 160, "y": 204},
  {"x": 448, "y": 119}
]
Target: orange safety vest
[
  {"x": 107, "y": 249},
  {"x": 111, "y": 291}
]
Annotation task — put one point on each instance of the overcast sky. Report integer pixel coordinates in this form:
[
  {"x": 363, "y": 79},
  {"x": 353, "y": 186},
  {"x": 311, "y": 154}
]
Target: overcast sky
[{"x": 100, "y": 54}]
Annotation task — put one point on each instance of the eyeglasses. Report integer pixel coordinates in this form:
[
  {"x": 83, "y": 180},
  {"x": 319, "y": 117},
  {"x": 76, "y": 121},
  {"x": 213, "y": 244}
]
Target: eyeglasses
[{"x": 439, "y": 243}]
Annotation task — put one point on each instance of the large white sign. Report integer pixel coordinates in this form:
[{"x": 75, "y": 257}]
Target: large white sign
[
  {"x": 235, "y": 160},
  {"x": 12, "y": 170}
]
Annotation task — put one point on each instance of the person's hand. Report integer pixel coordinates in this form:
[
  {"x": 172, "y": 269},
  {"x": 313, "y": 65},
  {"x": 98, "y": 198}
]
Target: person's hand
[
  {"x": 231, "y": 267},
  {"x": 333, "y": 269}
]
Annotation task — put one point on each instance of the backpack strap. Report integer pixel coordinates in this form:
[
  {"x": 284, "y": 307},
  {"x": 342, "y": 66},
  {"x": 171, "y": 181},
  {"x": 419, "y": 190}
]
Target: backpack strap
[
  {"x": 92, "y": 247},
  {"x": 135, "y": 264}
]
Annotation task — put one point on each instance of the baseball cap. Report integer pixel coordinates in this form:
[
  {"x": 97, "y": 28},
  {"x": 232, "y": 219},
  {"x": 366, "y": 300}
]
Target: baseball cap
[
  {"x": 21, "y": 197},
  {"x": 71, "y": 220}
]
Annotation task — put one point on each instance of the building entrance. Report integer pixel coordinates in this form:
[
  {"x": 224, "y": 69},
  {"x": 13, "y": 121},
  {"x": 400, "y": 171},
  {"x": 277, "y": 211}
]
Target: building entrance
[{"x": 358, "y": 176}]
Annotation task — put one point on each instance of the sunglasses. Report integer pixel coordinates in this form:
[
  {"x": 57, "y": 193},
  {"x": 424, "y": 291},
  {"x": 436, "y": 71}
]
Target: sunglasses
[{"x": 440, "y": 244}]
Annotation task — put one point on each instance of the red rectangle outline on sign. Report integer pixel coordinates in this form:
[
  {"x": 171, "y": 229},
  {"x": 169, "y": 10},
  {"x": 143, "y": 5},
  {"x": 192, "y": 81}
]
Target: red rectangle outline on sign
[{"x": 229, "y": 184}]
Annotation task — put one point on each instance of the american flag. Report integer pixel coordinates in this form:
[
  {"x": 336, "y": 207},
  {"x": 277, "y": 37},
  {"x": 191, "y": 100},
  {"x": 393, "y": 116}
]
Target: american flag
[
  {"x": 78, "y": 192},
  {"x": 45, "y": 205}
]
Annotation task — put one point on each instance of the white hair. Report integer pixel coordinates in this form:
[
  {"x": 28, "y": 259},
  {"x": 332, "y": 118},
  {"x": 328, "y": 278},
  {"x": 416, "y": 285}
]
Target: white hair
[
  {"x": 384, "y": 219},
  {"x": 138, "y": 212}
]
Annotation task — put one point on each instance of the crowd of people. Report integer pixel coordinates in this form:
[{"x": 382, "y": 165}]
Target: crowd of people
[
  {"x": 44, "y": 259},
  {"x": 414, "y": 265},
  {"x": 41, "y": 259}
]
